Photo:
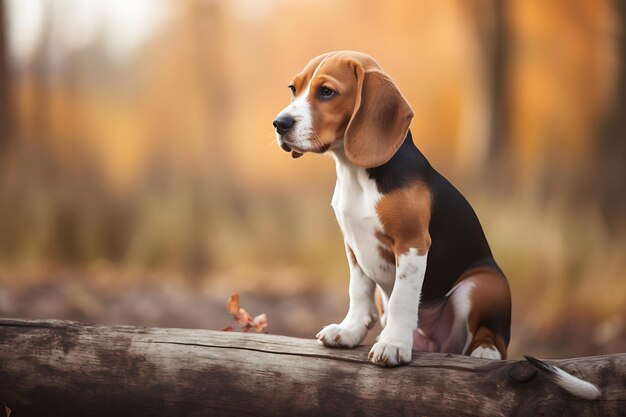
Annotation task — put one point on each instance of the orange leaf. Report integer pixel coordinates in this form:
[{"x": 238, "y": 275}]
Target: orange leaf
[
  {"x": 243, "y": 317},
  {"x": 232, "y": 305},
  {"x": 227, "y": 329},
  {"x": 260, "y": 322}
]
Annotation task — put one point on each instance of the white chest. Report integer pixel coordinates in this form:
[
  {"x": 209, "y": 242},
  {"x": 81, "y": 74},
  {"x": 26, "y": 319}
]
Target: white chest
[{"x": 354, "y": 203}]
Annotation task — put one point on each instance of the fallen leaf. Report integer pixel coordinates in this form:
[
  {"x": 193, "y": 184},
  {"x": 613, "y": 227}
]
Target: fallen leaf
[
  {"x": 243, "y": 317},
  {"x": 260, "y": 322},
  {"x": 232, "y": 305}
]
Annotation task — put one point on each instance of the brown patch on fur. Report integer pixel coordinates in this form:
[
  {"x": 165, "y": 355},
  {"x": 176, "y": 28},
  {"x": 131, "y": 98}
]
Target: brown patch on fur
[
  {"x": 490, "y": 315},
  {"x": 405, "y": 216},
  {"x": 301, "y": 80},
  {"x": 351, "y": 256},
  {"x": 384, "y": 249},
  {"x": 384, "y": 240},
  {"x": 386, "y": 255}
]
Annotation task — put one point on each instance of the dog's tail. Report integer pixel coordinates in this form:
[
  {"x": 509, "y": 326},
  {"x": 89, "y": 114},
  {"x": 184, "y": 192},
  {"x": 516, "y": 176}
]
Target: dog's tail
[{"x": 568, "y": 382}]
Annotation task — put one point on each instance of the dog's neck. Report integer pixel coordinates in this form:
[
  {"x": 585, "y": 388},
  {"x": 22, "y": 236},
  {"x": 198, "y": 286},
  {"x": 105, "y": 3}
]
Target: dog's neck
[
  {"x": 407, "y": 165},
  {"x": 349, "y": 174}
]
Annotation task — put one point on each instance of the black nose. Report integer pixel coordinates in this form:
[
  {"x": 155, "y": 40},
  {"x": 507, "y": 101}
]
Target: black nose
[{"x": 283, "y": 124}]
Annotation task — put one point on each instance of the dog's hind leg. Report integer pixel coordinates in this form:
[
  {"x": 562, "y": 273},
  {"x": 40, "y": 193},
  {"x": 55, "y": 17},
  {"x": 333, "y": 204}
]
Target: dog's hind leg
[
  {"x": 475, "y": 319},
  {"x": 489, "y": 320}
]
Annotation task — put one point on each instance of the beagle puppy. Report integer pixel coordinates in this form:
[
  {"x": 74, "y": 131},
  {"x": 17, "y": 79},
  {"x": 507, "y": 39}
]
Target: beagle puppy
[{"x": 407, "y": 230}]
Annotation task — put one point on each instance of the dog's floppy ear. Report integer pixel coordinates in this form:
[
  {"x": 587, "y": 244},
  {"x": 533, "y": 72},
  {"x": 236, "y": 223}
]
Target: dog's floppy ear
[{"x": 379, "y": 122}]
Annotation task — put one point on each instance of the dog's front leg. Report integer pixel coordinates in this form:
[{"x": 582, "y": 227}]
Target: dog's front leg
[
  {"x": 396, "y": 340},
  {"x": 362, "y": 314}
]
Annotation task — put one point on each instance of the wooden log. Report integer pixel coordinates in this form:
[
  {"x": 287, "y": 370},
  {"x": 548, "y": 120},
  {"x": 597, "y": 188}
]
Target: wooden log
[{"x": 60, "y": 368}]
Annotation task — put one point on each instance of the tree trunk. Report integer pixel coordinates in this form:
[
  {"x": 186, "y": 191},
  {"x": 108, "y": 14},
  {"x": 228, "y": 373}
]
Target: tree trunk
[
  {"x": 498, "y": 62},
  {"x": 58, "y": 368},
  {"x": 606, "y": 184},
  {"x": 6, "y": 134}
]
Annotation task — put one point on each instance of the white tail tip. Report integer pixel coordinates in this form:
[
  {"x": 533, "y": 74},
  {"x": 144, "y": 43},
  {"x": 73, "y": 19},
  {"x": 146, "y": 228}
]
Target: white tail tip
[{"x": 568, "y": 382}]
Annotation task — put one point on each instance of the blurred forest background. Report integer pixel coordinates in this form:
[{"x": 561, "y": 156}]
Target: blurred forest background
[{"x": 140, "y": 181}]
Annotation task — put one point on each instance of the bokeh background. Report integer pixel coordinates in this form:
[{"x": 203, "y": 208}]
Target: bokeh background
[{"x": 140, "y": 182}]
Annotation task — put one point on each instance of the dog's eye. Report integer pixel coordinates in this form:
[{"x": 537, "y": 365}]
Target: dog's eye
[
  {"x": 326, "y": 93},
  {"x": 293, "y": 89}
]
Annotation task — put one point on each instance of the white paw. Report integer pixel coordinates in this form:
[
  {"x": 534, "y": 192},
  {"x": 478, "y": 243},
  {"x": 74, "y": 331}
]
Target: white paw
[
  {"x": 390, "y": 353},
  {"x": 335, "y": 335},
  {"x": 486, "y": 352}
]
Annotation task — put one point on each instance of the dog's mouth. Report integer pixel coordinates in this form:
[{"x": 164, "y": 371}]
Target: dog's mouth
[{"x": 290, "y": 148}]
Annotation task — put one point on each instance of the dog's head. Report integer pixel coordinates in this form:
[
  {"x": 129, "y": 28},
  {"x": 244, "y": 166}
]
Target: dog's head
[{"x": 344, "y": 99}]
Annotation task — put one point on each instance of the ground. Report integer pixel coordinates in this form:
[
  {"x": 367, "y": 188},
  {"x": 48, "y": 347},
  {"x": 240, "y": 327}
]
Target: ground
[{"x": 295, "y": 306}]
